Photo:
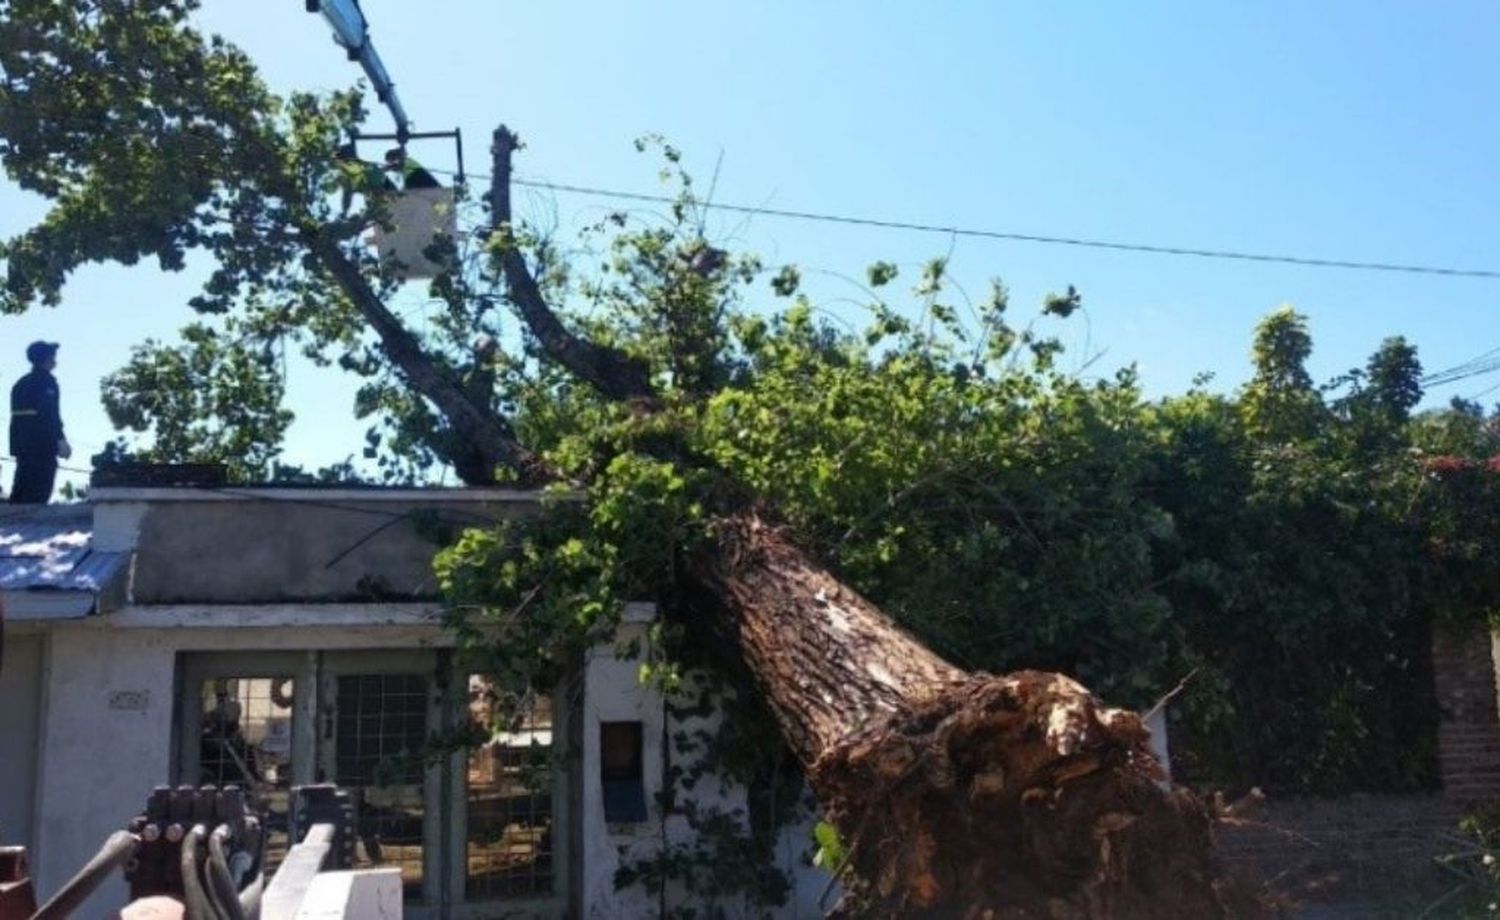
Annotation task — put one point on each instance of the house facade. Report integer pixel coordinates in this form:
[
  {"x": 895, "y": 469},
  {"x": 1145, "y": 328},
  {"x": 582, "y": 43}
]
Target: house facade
[{"x": 270, "y": 638}]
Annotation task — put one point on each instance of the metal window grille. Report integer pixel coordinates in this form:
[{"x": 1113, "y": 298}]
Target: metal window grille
[
  {"x": 510, "y": 846},
  {"x": 245, "y": 740},
  {"x": 380, "y": 732}
]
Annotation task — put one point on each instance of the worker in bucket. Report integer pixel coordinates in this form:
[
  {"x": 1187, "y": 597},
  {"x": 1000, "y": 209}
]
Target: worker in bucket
[
  {"x": 413, "y": 174},
  {"x": 36, "y": 428}
]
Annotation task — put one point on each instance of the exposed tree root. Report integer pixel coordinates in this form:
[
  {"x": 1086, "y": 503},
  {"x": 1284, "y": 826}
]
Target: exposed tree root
[{"x": 1019, "y": 796}]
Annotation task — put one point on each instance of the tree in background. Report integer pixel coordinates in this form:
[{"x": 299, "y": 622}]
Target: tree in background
[{"x": 1295, "y": 574}]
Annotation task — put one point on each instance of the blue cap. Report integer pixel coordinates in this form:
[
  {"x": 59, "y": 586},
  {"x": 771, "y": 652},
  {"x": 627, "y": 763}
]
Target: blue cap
[{"x": 37, "y": 352}]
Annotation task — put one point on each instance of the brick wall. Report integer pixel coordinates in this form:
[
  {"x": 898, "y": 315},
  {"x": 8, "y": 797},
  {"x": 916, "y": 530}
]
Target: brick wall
[{"x": 1463, "y": 667}]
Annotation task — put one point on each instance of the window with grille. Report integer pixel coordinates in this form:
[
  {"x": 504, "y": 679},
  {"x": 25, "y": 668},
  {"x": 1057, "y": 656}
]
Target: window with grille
[
  {"x": 380, "y": 736},
  {"x": 510, "y": 845}
]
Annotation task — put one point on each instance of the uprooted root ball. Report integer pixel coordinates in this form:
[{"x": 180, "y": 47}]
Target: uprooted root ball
[{"x": 1019, "y": 796}]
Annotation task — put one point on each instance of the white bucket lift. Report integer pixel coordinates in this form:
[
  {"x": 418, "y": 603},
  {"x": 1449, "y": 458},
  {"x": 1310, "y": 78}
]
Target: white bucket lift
[{"x": 418, "y": 218}]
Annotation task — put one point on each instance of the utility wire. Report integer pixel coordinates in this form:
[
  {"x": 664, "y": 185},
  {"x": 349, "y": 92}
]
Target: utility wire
[
  {"x": 1486, "y": 363},
  {"x": 1456, "y": 378},
  {"x": 1470, "y": 364},
  {"x": 1484, "y": 392},
  {"x": 1082, "y": 242},
  {"x": 980, "y": 233}
]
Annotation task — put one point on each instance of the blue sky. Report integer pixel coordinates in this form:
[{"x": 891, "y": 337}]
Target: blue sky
[{"x": 1357, "y": 131}]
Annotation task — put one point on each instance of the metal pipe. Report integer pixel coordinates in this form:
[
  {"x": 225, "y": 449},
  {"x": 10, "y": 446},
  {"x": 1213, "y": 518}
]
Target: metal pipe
[
  {"x": 194, "y": 898},
  {"x": 458, "y": 140},
  {"x": 410, "y": 135},
  {"x": 347, "y": 20},
  {"x": 120, "y": 846},
  {"x": 385, "y": 88},
  {"x": 116, "y": 850},
  {"x": 215, "y": 904},
  {"x": 221, "y": 883}
]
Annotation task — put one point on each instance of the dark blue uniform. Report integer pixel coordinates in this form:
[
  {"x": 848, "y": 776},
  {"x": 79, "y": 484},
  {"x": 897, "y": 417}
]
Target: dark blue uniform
[{"x": 36, "y": 428}]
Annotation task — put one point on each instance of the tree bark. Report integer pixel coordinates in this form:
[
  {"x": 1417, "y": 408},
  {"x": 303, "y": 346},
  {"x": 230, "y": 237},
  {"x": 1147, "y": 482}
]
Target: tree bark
[
  {"x": 613, "y": 373},
  {"x": 489, "y": 434},
  {"x": 957, "y": 794}
]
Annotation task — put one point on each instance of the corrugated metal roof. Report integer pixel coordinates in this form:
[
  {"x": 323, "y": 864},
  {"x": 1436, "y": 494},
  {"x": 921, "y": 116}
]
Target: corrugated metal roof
[{"x": 50, "y": 548}]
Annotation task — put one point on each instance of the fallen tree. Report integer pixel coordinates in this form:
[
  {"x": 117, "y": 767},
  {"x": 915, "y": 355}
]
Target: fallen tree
[
  {"x": 956, "y": 793},
  {"x": 959, "y": 794}
]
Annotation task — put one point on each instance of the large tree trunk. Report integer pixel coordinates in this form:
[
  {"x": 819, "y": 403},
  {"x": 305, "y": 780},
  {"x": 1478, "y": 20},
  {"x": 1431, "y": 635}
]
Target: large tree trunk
[{"x": 957, "y": 794}]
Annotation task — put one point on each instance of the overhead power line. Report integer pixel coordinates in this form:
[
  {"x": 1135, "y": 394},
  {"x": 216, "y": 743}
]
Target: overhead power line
[
  {"x": 1082, "y": 242},
  {"x": 1486, "y": 363},
  {"x": 1487, "y": 274},
  {"x": 1479, "y": 371},
  {"x": 1484, "y": 392}
]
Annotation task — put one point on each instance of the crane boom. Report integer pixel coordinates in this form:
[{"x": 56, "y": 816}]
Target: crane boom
[{"x": 352, "y": 32}]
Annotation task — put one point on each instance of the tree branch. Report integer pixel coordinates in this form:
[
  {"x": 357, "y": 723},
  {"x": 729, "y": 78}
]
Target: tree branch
[
  {"x": 489, "y": 433},
  {"x": 613, "y": 373}
]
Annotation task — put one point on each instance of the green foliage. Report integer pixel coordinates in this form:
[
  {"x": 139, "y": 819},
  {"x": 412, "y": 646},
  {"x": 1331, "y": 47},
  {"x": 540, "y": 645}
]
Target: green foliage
[
  {"x": 1471, "y": 867},
  {"x": 831, "y": 852},
  {"x": 207, "y": 400},
  {"x": 1280, "y": 403},
  {"x": 1294, "y": 576},
  {"x": 154, "y": 141},
  {"x": 1276, "y": 543}
]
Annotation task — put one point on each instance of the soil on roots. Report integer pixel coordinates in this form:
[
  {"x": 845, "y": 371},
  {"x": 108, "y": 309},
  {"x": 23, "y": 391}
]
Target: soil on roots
[{"x": 1019, "y": 796}]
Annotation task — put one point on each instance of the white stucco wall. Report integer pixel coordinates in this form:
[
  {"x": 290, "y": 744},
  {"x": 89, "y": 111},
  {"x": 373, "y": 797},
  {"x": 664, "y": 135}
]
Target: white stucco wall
[
  {"x": 613, "y": 692},
  {"x": 106, "y": 737}
]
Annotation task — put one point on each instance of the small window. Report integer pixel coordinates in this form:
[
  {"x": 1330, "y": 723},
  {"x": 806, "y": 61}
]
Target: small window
[{"x": 622, "y": 772}]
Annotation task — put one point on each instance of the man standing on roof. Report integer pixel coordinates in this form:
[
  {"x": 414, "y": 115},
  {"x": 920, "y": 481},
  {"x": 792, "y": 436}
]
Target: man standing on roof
[{"x": 36, "y": 428}]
